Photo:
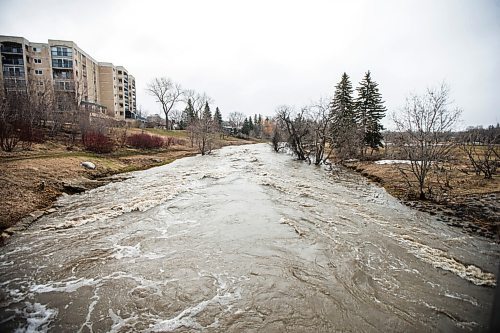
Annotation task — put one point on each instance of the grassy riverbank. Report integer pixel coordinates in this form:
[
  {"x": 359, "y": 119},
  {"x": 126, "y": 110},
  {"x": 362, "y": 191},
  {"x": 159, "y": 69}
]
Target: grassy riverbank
[
  {"x": 467, "y": 201},
  {"x": 32, "y": 180}
]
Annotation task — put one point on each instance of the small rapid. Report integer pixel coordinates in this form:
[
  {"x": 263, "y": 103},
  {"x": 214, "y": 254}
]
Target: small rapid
[{"x": 243, "y": 240}]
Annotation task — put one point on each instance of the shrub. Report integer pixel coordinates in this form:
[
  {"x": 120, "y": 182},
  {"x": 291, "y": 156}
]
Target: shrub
[
  {"x": 33, "y": 135},
  {"x": 97, "y": 142},
  {"x": 145, "y": 141},
  {"x": 170, "y": 141}
]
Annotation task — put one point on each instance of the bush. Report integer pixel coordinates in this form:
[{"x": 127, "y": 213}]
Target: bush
[
  {"x": 170, "y": 141},
  {"x": 145, "y": 141},
  {"x": 33, "y": 135},
  {"x": 97, "y": 142}
]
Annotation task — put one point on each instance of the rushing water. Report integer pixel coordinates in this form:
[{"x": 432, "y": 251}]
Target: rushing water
[{"x": 243, "y": 240}]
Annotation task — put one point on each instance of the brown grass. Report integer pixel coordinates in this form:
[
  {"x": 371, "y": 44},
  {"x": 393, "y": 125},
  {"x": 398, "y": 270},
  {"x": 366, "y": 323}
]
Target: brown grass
[{"x": 32, "y": 180}]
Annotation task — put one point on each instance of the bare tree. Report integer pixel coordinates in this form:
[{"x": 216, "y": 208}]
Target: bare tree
[
  {"x": 22, "y": 112},
  {"x": 11, "y": 107},
  {"x": 277, "y": 138},
  {"x": 176, "y": 116},
  {"x": 321, "y": 119},
  {"x": 203, "y": 130},
  {"x": 482, "y": 151},
  {"x": 198, "y": 102},
  {"x": 236, "y": 119},
  {"x": 297, "y": 128},
  {"x": 424, "y": 132},
  {"x": 167, "y": 93}
]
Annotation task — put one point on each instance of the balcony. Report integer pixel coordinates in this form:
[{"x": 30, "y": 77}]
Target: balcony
[
  {"x": 61, "y": 63},
  {"x": 64, "y": 54},
  {"x": 14, "y": 82},
  {"x": 64, "y": 86},
  {"x": 11, "y": 50},
  {"x": 63, "y": 75},
  {"x": 13, "y": 61},
  {"x": 13, "y": 71}
]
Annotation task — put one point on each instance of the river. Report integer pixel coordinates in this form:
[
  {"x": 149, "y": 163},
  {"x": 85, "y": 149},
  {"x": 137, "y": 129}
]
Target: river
[{"x": 244, "y": 240}]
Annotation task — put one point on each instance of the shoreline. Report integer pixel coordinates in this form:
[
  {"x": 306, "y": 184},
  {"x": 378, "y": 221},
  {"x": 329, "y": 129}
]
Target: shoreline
[
  {"x": 34, "y": 181},
  {"x": 476, "y": 213}
]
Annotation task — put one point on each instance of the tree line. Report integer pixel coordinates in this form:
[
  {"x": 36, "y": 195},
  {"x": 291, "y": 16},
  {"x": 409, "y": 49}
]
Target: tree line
[
  {"x": 29, "y": 114},
  {"x": 197, "y": 118},
  {"x": 344, "y": 127},
  {"x": 347, "y": 128}
]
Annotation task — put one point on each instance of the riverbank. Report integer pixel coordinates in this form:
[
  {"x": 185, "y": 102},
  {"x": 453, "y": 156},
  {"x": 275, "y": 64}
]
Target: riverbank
[
  {"x": 31, "y": 181},
  {"x": 469, "y": 201}
]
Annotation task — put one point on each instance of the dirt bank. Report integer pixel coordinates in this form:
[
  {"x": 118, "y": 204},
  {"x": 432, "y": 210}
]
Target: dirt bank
[
  {"x": 469, "y": 201},
  {"x": 31, "y": 181}
]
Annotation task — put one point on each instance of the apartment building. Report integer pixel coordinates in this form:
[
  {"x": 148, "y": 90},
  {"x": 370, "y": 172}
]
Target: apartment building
[{"x": 64, "y": 69}]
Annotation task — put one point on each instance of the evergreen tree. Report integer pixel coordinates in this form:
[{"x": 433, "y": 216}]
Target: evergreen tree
[
  {"x": 344, "y": 129},
  {"x": 369, "y": 110},
  {"x": 207, "y": 114},
  {"x": 342, "y": 104},
  {"x": 218, "y": 118},
  {"x": 189, "y": 115},
  {"x": 245, "y": 129},
  {"x": 250, "y": 123}
]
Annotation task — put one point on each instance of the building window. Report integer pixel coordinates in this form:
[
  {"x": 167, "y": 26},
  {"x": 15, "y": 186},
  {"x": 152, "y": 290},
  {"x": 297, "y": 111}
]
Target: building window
[
  {"x": 40, "y": 83},
  {"x": 63, "y": 75},
  {"x": 60, "y": 51},
  {"x": 37, "y": 49},
  {"x": 62, "y": 63},
  {"x": 38, "y": 72},
  {"x": 37, "y": 61},
  {"x": 62, "y": 85},
  {"x": 119, "y": 72}
]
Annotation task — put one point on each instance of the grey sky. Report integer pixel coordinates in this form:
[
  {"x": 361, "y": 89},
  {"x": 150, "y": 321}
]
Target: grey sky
[{"x": 251, "y": 56}]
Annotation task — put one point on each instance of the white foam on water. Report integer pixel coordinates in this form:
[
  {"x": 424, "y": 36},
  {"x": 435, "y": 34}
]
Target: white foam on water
[
  {"x": 462, "y": 324},
  {"x": 464, "y": 298},
  {"x": 65, "y": 286},
  {"x": 118, "y": 322},
  {"x": 225, "y": 296},
  {"x": 38, "y": 318},
  {"x": 124, "y": 251},
  {"x": 439, "y": 259}
]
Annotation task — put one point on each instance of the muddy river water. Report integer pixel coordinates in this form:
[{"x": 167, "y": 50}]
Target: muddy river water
[{"x": 244, "y": 240}]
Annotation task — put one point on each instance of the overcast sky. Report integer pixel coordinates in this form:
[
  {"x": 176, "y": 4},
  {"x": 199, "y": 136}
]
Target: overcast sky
[{"x": 251, "y": 56}]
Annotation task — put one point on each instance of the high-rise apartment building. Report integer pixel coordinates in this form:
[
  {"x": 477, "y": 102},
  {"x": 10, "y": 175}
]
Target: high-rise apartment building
[{"x": 64, "y": 69}]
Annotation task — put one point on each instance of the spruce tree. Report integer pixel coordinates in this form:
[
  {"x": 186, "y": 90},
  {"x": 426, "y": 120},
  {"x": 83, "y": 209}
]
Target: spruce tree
[
  {"x": 245, "y": 129},
  {"x": 342, "y": 103},
  {"x": 189, "y": 112},
  {"x": 369, "y": 110},
  {"x": 344, "y": 129},
  {"x": 250, "y": 123},
  {"x": 218, "y": 118},
  {"x": 207, "y": 114}
]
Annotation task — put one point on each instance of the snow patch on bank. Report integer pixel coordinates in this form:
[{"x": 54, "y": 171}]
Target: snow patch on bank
[{"x": 393, "y": 162}]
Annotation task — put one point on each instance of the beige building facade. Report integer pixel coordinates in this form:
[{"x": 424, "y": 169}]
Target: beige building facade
[{"x": 64, "y": 69}]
